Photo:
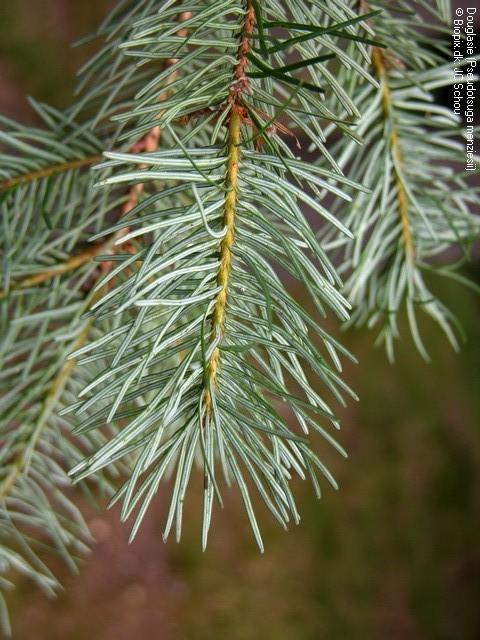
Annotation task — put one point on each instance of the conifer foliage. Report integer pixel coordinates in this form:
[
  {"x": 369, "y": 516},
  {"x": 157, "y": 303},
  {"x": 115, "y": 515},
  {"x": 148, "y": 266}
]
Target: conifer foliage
[{"x": 153, "y": 233}]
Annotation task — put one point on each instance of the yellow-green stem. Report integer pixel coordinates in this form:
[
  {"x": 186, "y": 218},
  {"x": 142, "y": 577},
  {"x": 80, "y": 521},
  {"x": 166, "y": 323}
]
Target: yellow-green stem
[
  {"x": 402, "y": 198},
  {"x": 234, "y": 103},
  {"x": 231, "y": 185}
]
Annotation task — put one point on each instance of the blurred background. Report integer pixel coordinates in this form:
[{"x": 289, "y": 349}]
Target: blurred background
[{"x": 394, "y": 554}]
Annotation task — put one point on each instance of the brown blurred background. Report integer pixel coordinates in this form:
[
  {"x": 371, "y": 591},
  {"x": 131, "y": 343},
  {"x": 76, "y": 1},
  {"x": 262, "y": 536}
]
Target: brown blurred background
[{"x": 393, "y": 555}]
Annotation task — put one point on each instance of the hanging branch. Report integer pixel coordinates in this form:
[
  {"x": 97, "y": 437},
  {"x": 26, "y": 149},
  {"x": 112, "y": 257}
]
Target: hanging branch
[
  {"x": 207, "y": 333},
  {"x": 418, "y": 215},
  {"x": 173, "y": 337},
  {"x": 34, "y": 443}
]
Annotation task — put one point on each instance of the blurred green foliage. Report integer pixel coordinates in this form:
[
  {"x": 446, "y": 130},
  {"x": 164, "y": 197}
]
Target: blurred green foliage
[{"x": 394, "y": 554}]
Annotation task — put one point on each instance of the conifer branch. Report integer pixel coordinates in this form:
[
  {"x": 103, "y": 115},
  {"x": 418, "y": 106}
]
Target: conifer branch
[
  {"x": 47, "y": 172},
  {"x": 27, "y": 448},
  {"x": 234, "y": 104},
  {"x": 20, "y": 464},
  {"x": 189, "y": 348},
  {"x": 210, "y": 242},
  {"x": 71, "y": 264},
  {"x": 379, "y": 66},
  {"x": 419, "y": 211},
  {"x": 147, "y": 144}
]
